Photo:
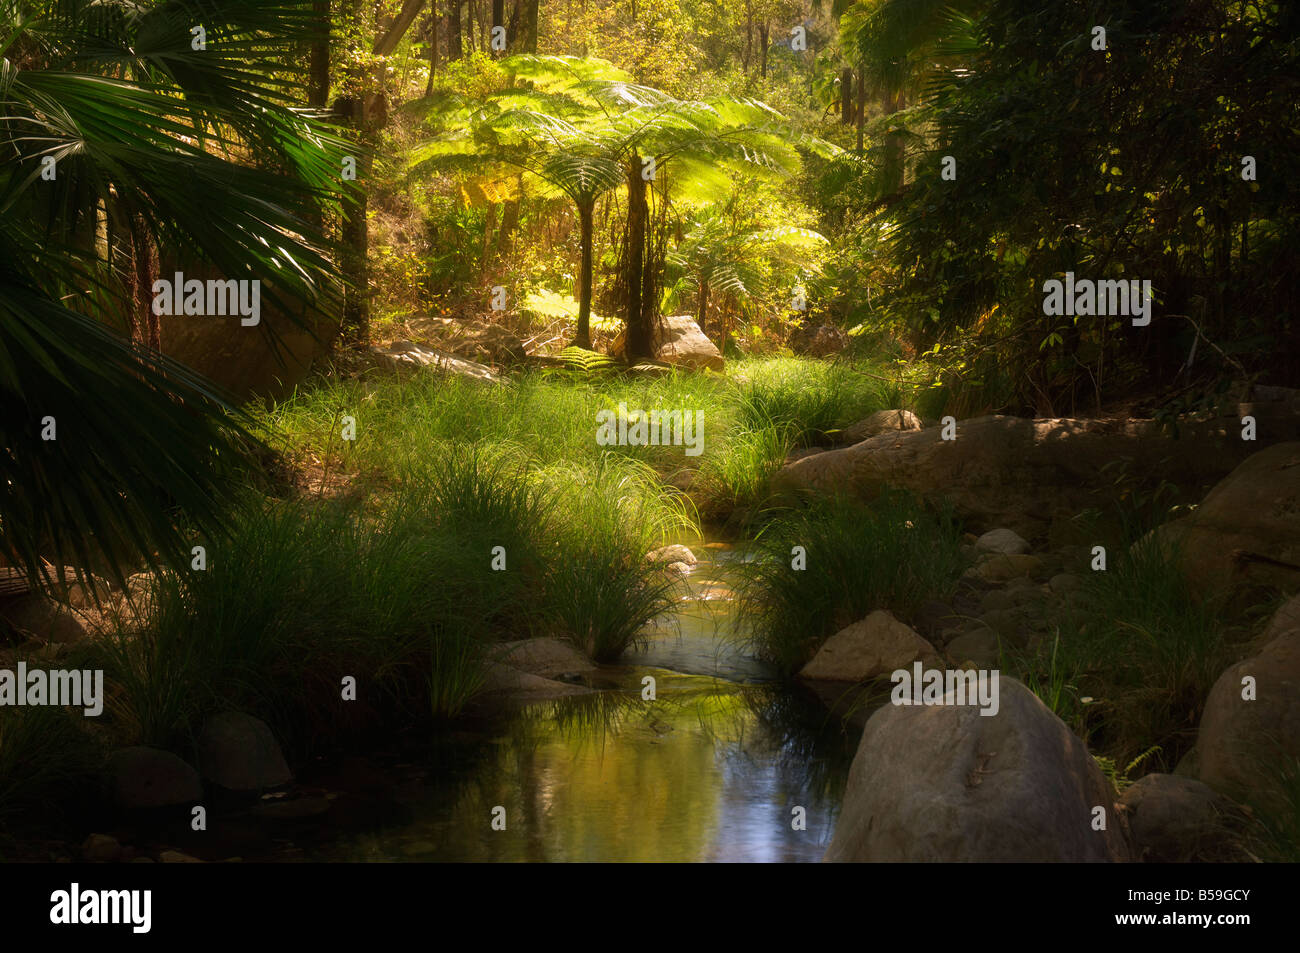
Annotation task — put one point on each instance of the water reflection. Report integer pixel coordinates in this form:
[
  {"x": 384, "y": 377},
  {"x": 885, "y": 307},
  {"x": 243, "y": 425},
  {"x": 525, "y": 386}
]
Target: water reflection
[{"x": 708, "y": 771}]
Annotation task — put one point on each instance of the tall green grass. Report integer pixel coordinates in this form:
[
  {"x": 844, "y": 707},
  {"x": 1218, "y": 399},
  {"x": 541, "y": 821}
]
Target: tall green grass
[
  {"x": 810, "y": 400},
  {"x": 1144, "y": 647},
  {"x": 601, "y": 590},
  {"x": 751, "y": 419},
  {"x": 891, "y": 554},
  {"x": 46, "y": 756}
]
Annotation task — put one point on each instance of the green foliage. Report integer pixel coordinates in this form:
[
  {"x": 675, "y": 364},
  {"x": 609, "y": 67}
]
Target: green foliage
[
  {"x": 43, "y": 750},
  {"x": 890, "y": 554},
  {"x": 1143, "y": 648},
  {"x": 1144, "y": 144},
  {"x": 151, "y": 138},
  {"x": 813, "y": 400},
  {"x": 588, "y": 361},
  {"x": 1122, "y": 778}
]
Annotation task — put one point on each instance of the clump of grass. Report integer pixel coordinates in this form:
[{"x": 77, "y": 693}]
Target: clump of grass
[
  {"x": 891, "y": 554},
  {"x": 1275, "y": 834},
  {"x": 601, "y": 590},
  {"x": 1050, "y": 674},
  {"x": 739, "y": 474},
  {"x": 811, "y": 400},
  {"x": 45, "y": 757},
  {"x": 1121, "y": 778},
  {"x": 1146, "y": 648}
]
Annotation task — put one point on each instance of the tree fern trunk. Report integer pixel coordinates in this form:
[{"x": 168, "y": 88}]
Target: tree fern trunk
[
  {"x": 639, "y": 342},
  {"x": 586, "y": 214}
]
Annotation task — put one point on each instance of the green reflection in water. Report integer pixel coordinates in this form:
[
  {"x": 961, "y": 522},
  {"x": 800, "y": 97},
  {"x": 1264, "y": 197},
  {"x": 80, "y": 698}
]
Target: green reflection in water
[{"x": 709, "y": 771}]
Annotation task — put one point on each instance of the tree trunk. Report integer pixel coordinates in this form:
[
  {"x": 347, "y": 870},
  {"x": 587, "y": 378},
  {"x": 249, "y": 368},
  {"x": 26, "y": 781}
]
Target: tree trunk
[
  {"x": 146, "y": 267},
  {"x": 846, "y": 95},
  {"x": 862, "y": 106},
  {"x": 354, "y": 330},
  {"x": 528, "y": 26},
  {"x": 639, "y": 335},
  {"x": 703, "y": 305},
  {"x": 455, "y": 44},
  {"x": 397, "y": 29},
  {"x": 498, "y": 19},
  {"x": 749, "y": 42},
  {"x": 762, "y": 39},
  {"x": 510, "y": 219},
  {"x": 318, "y": 90},
  {"x": 433, "y": 45},
  {"x": 586, "y": 213},
  {"x": 895, "y": 157}
]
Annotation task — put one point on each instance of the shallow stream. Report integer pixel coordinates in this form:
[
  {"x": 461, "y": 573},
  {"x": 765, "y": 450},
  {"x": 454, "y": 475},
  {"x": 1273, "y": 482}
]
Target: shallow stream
[{"x": 711, "y": 770}]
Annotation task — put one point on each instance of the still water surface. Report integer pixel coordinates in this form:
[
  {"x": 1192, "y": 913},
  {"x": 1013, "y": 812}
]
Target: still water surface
[{"x": 709, "y": 771}]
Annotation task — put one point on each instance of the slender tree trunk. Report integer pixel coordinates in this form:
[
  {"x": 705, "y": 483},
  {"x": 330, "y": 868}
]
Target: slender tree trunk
[
  {"x": 510, "y": 219},
  {"x": 846, "y": 95},
  {"x": 862, "y": 105},
  {"x": 703, "y": 305},
  {"x": 318, "y": 92},
  {"x": 498, "y": 20},
  {"x": 762, "y": 39},
  {"x": 354, "y": 330},
  {"x": 146, "y": 267},
  {"x": 488, "y": 227},
  {"x": 586, "y": 213},
  {"x": 528, "y": 26},
  {"x": 397, "y": 29},
  {"x": 639, "y": 336},
  {"x": 121, "y": 259},
  {"x": 895, "y": 157},
  {"x": 433, "y": 45},
  {"x": 749, "y": 42},
  {"x": 354, "y": 251},
  {"x": 455, "y": 42}
]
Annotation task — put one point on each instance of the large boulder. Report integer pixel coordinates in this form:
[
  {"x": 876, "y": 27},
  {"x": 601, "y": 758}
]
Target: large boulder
[
  {"x": 876, "y": 646},
  {"x": 239, "y": 752},
  {"x": 1002, "y": 541},
  {"x": 820, "y": 340},
  {"x": 264, "y": 360},
  {"x": 509, "y": 686},
  {"x": 546, "y": 658},
  {"x": 1176, "y": 820},
  {"x": 674, "y": 553},
  {"x": 882, "y": 421},
  {"x": 43, "y": 618},
  {"x": 678, "y": 340},
  {"x": 1246, "y": 532},
  {"x": 143, "y": 777},
  {"x": 1015, "y": 472},
  {"x": 1244, "y": 743},
  {"x": 406, "y": 356},
  {"x": 946, "y": 783}
]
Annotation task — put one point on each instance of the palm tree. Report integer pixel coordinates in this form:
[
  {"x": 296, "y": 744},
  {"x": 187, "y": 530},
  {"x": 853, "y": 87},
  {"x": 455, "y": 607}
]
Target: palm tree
[
  {"x": 583, "y": 128},
  {"x": 723, "y": 257},
  {"x": 153, "y": 139},
  {"x": 900, "y": 47}
]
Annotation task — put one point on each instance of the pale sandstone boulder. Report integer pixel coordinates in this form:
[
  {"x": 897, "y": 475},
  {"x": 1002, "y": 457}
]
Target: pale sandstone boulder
[
  {"x": 947, "y": 784},
  {"x": 876, "y": 646}
]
